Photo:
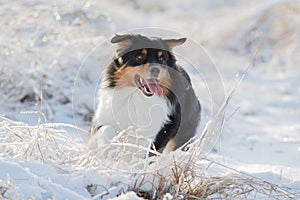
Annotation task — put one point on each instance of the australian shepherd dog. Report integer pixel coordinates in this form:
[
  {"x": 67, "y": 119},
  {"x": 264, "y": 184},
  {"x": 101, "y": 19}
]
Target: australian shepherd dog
[{"x": 145, "y": 89}]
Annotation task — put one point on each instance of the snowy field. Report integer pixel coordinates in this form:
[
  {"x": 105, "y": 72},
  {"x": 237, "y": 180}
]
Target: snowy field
[{"x": 52, "y": 54}]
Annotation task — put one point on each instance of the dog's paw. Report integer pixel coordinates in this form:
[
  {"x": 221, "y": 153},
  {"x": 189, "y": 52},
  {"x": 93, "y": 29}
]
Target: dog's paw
[{"x": 101, "y": 138}]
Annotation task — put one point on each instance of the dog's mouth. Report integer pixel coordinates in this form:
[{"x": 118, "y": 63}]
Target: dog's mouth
[{"x": 149, "y": 86}]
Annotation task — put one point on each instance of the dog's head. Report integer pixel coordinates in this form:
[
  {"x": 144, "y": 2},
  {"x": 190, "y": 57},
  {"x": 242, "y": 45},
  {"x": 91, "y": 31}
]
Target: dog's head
[{"x": 143, "y": 63}]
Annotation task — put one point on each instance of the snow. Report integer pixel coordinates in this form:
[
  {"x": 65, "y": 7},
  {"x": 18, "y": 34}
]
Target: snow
[
  {"x": 129, "y": 195},
  {"x": 52, "y": 54}
]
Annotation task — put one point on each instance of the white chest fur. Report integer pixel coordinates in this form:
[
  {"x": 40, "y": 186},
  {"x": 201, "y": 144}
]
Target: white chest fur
[{"x": 128, "y": 107}]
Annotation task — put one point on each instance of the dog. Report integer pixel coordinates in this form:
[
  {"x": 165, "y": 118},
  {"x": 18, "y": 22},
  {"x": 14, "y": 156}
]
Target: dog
[{"x": 145, "y": 89}]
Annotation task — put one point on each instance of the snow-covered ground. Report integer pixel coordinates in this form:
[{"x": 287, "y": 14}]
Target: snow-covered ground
[{"x": 52, "y": 54}]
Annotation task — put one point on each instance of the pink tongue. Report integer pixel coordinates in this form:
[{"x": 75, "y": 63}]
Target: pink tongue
[{"x": 155, "y": 88}]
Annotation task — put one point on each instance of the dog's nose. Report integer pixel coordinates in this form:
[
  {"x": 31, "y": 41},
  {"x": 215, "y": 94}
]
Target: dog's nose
[{"x": 154, "y": 71}]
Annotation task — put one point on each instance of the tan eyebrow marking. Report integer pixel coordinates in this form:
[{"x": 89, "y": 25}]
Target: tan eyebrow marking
[
  {"x": 159, "y": 54},
  {"x": 144, "y": 51}
]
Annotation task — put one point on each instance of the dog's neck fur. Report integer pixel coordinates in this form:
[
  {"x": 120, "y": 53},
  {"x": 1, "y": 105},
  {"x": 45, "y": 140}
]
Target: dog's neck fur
[{"x": 128, "y": 107}]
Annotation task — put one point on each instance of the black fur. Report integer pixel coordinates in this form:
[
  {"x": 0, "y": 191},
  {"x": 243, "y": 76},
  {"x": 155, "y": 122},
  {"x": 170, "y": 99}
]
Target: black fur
[{"x": 186, "y": 112}]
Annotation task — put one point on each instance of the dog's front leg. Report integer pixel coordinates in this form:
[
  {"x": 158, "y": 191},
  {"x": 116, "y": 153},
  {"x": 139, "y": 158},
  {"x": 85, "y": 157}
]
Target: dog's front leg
[{"x": 101, "y": 138}]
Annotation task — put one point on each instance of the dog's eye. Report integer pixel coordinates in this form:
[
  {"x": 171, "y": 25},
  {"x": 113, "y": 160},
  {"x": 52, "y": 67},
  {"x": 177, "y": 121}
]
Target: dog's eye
[{"x": 140, "y": 57}]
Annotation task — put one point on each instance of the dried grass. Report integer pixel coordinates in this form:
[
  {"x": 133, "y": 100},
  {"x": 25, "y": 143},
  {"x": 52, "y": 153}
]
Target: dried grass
[
  {"x": 191, "y": 181},
  {"x": 47, "y": 142},
  {"x": 8, "y": 190}
]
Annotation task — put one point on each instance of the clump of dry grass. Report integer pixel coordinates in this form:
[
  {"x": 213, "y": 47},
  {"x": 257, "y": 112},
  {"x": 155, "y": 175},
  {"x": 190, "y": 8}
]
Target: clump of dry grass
[
  {"x": 192, "y": 181},
  {"x": 48, "y": 142}
]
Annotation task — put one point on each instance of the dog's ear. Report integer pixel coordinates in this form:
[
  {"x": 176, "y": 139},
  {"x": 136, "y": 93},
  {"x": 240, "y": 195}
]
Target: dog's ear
[
  {"x": 174, "y": 42},
  {"x": 122, "y": 42},
  {"x": 120, "y": 38}
]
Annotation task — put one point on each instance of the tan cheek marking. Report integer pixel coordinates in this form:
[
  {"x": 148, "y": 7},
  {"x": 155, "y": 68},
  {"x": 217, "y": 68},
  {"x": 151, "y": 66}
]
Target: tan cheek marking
[
  {"x": 165, "y": 81},
  {"x": 169, "y": 147},
  {"x": 124, "y": 76},
  {"x": 143, "y": 70}
]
